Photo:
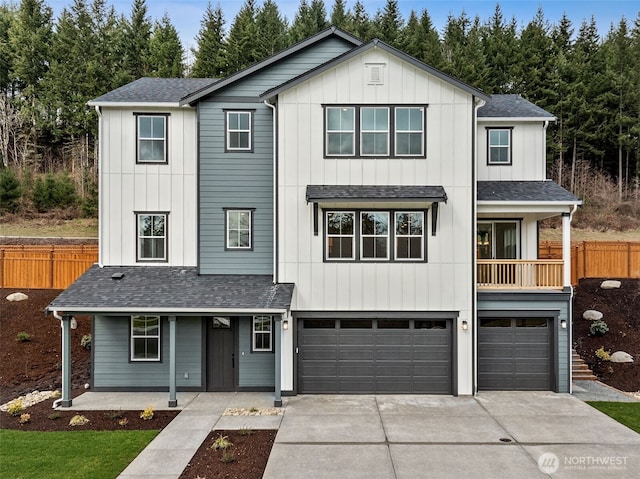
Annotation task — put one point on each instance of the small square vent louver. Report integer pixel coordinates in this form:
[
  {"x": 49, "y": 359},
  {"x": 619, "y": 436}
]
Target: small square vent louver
[{"x": 375, "y": 73}]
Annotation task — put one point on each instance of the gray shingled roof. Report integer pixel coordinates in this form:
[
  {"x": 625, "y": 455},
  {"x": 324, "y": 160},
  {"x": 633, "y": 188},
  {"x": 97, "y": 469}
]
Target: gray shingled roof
[
  {"x": 374, "y": 192},
  {"x": 512, "y": 106},
  {"x": 154, "y": 90},
  {"x": 524, "y": 191},
  {"x": 166, "y": 288}
]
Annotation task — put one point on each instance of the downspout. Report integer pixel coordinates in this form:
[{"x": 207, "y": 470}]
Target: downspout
[
  {"x": 275, "y": 195},
  {"x": 544, "y": 147},
  {"x": 100, "y": 188},
  {"x": 570, "y": 318},
  {"x": 57, "y": 402}
]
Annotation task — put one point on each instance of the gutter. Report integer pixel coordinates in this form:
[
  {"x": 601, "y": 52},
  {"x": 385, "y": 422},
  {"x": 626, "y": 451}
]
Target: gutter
[
  {"x": 570, "y": 318},
  {"x": 275, "y": 194},
  {"x": 128, "y": 311},
  {"x": 56, "y": 315}
]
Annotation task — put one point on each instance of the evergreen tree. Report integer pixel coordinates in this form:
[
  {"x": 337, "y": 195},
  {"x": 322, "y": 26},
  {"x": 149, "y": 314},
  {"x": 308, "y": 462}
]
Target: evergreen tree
[
  {"x": 389, "y": 23},
  {"x": 309, "y": 20},
  {"x": 165, "y": 50},
  {"x": 136, "y": 41},
  {"x": 421, "y": 40},
  {"x": 210, "y": 53},
  {"x": 340, "y": 16},
  {"x": 362, "y": 25},
  {"x": 500, "y": 46},
  {"x": 6, "y": 19},
  {"x": 272, "y": 30},
  {"x": 241, "y": 46}
]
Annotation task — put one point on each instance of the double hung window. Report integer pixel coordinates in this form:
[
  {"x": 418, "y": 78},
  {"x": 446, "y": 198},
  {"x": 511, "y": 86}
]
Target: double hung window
[
  {"x": 239, "y": 229},
  {"x": 145, "y": 338},
  {"x": 499, "y": 146},
  {"x": 152, "y": 236},
  {"x": 151, "y": 138},
  {"x": 238, "y": 137},
  {"x": 262, "y": 329}
]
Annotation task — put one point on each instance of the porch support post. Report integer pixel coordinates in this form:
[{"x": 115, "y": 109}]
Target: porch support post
[
  {"x": 66, "y": 361},
  {"x": 277, "y": 402},
  {"x": 173, "y": 401},
  {"x": 566, "y": 248}
]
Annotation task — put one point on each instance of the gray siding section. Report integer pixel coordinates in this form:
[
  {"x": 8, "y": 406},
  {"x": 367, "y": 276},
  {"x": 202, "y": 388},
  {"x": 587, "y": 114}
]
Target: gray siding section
[
  {"x": 235, "y": 180},
  {"x": 526, "y": 303},
  {"x": 112, "y": 368},
  {"x": 255, "y": 369}
]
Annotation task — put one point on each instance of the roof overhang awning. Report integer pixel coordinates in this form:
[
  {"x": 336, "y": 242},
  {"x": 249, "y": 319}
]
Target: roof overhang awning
[{"x": 375, "y": 195}]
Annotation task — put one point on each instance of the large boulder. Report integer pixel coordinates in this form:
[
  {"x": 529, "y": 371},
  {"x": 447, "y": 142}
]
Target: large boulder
[
  {"x": 17, "y": 297},
  {"x": 621, "y": 357},
  {"x": 592, "y": 315},
  {"x": 610, "y": 284}
]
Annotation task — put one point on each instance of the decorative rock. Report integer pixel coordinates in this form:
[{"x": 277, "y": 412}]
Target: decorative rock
[
  {"x": 621, "y": 357},
  {"x": 17, "y": 297},
  {"x": 592, "y": 315},
  {"x": 610, "y": 284},
  {"x": 32, "y": 398}
]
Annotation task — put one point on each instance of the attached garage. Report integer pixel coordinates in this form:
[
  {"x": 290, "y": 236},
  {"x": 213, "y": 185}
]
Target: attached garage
[
  {"x": 515, "y": 354},
  {"x": 375, "y": 356}
]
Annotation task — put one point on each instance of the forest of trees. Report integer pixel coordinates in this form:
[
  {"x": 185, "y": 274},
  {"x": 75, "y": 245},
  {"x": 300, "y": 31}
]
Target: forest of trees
[{"x": 50, "y": 67}]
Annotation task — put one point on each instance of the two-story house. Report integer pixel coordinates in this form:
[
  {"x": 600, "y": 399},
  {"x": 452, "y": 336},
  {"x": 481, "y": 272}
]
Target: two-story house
[{"x": 338, "y": 218}]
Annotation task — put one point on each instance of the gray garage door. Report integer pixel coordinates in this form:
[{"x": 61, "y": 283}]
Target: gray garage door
[
  {"x": 514, "y": 354},
  {"x": 374, "y": 356}
]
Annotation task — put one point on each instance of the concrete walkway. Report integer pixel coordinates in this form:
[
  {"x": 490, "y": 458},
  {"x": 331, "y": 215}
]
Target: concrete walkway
[
  {"x": 597, "y": 391},
  {"x": 497, "y": 434}
]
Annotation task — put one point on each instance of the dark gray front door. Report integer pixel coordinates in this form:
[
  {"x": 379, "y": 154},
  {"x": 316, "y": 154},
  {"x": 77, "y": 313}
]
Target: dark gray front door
[
  {"x": 220, "y": 355},
  {"x": 374, "y": 356},
  {"x": 515, "y": 354}
]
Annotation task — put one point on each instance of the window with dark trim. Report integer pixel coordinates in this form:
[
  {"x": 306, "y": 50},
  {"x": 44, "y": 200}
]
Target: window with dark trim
[
  {"x": 262, "y": 334},
  {"x": 145, "y": 338},
  {"x": 370, "y": 131},
  {"x": 499, "y": 146},
  {"x": 369, "y": 235},
  {"x": 239, "y": 130},
  {"x": 151, "y": 138},
  {"x": 239, "y": 229},
  {"x": 152, "y": 236}
]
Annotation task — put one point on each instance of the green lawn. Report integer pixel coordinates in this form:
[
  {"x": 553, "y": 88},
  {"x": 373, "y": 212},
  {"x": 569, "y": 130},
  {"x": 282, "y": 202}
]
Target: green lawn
[
  {"x": 68, "y": 455},
  {"x": 627, "y": 413}
]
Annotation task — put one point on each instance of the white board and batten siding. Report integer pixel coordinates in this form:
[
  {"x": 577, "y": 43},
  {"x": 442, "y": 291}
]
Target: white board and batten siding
[
  {"x": 127, "y": 187},
  {"x": 528, "y": 151},
  {"x": 443, "y": 282}
]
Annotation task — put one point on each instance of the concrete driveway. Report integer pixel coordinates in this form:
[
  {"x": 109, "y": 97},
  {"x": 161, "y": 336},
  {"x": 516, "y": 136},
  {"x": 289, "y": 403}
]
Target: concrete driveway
[{"x": 495, "y": 435}]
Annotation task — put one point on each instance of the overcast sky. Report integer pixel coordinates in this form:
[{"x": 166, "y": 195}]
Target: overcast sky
[{"x": 187, "y": 14}]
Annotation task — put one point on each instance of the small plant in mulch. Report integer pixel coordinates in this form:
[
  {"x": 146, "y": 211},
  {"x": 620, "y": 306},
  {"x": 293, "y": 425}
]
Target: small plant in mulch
[
  {"x": 123, "y": 422},
  {"x": 54, "y": 415},
  {"x": 78, "y": 420},
  {"x": 598, "y": 328},
  {"x": 85, "y": 342},
  {"x": 23, "y": 337},
  {"x": 245, "y": 431},
  {"x": 227, "y": 457},
  {"x": 221, "y": 443},
  {"x": 602, "y": 354},
  {"x": 147, "y": 414},
  {"x": 15, "y": 407},
  {"x": 25, "y": 418},
  {"x": 254, "y": 410},
  {"x": 113, "y": 414}
]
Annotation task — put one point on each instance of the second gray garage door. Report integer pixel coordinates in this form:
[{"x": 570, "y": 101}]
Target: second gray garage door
[
  {"x": 374, "y": 356},
  {"x": 515, "y": 354}
]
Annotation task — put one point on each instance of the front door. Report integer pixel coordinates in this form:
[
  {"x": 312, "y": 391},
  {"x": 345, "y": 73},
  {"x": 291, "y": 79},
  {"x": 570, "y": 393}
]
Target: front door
[{"x": 220, "y": 354}]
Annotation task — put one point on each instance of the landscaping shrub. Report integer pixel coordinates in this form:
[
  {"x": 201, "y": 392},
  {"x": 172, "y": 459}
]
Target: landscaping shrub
[
  {"x": 598, "y": 328},
  {"x": 15, "y": 407},
  {"x": 23, "y": 337},
  {"x": 602, "y": 354},
  {"x": 147, "y": 414},
  {"x": 85, "y": 342},
  {"x": 78, "y": 420},
  {"x": 10, "y": 191},
  {"x": 53, "y": 191}
]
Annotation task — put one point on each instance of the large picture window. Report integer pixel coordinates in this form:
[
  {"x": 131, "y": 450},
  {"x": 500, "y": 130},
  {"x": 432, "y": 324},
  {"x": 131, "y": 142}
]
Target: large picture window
[
  {"x": 239, "y": 131},
  {"x": 145, "y": 338},
  {"x": 499, "y": 146},
  {"x": 152, "y": 138},
  {"x": 262, "y": 337},
  {"x": 375, "y": 131},
  {"x": 375, "y": 236},
  {"x": 152, "y": 236},
  {"x": 239, "y": 229}
]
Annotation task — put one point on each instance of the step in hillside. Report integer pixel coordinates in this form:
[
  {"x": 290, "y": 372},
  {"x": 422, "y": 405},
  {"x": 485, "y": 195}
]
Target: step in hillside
[{"x": 580, "y": 370}]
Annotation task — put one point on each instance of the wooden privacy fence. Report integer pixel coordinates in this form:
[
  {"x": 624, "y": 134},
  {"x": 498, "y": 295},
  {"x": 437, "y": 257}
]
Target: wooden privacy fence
[
  {"x": 53, "y": 267},
  {"x": 597, "y": 259}
]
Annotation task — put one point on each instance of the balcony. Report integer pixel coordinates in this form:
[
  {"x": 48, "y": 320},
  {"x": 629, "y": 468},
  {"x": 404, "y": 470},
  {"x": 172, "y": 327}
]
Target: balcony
[{"x": 520, "y": 274}]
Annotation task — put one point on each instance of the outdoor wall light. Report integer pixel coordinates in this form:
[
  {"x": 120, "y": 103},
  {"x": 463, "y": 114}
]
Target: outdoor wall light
[
  {"x": 73, "y": 323},
  {"x": 464, "y": 325},
  {"x": 563, "y": 324},
  {"x": 285, "y": 324}
]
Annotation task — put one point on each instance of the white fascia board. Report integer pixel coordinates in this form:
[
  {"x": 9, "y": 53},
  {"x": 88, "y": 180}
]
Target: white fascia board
[
  {"x": 165, "y": 311},
  {"x": 123, "y": 104},
  {"x": 524, "y": 207},
  {"x": 514, "y": 119}
]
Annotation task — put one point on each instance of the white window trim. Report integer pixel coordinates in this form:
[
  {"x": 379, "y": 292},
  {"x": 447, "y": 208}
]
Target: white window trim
[
  {"x": 363, "y": 131},
  {"x": 363, "y": 236},
  {"x": 507, "y": 147},
  {"x": 254, "y": 333},
  {"x": 139, "y": 251},
  {"x": 141, "y": 138},
  {"x": 352, "y": 236},
  {"x": 239, "y": 130},
  {"x": 352, "y": 131},
  {"x": 133, "y": 337},
  {"x": 397, "y": 235},
  {"x": 249, "y": 229},
  {"x": 396, "y": 131}
]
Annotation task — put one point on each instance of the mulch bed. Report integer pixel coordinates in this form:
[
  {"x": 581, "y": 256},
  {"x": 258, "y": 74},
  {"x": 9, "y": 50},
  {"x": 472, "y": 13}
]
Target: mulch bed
[{"x": 621, "y": 310}]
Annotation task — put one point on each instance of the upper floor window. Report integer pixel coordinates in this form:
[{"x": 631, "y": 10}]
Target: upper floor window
[
  {"x": 145, "y": 338},
  {"x": 239, "y": 229},
  {"x": 499, "y": 146},
  {"x": 152, "y": 236},
  {"x": 238, "y": 136},
  {"x": 375, "y": 131},
  {"x": 370, "y": 236},
  {"x": 152, "y": 138}
]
